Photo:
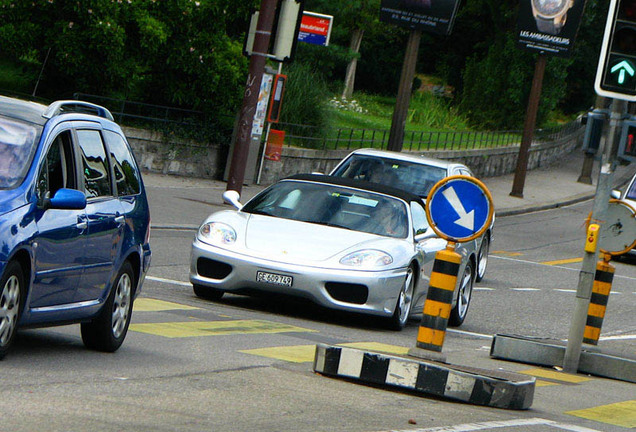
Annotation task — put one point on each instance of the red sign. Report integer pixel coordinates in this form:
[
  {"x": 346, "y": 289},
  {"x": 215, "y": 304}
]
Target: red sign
[
  {"x": 274, "y": 148},
  {"x": 316, "y": 25},
  {"x": 315, "y": 28}
]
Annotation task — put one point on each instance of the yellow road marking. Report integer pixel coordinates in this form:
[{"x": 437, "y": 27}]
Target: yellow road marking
[
  {"x": 541, "y": 383},
  {"x": 152, "y": 305},
  {"x": 214, "y": 328},
  {"x": 563, "y": 261},
  {"x": 620, "y": 414},
  {"x": 505, "y": 253},
  {"x": 554, "y": 375},
  {"x": 306, "y": 353},
  {"x": 294, "y": 354}
]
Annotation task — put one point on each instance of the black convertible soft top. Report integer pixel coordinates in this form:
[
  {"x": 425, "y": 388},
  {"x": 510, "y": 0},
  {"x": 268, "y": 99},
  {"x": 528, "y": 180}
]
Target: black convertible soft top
[{"x": 359, "y": 184}]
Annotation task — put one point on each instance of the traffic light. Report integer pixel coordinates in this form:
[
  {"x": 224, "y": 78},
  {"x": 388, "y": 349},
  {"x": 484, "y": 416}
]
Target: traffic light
[
  {"x": 627, "y": 144},
  {"x": 594, "y": 130},
  {"x": 616, "y": 72}
]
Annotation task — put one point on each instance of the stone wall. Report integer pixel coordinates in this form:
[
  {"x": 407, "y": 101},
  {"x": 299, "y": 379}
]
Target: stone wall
[{"x": 187, "y": 158}]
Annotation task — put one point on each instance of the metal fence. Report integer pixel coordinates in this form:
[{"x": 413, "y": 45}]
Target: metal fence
[
  {"x": 304, "y": 136},
  {"x": 348, "y": 138},
  {"x": 126, "y": 111}
]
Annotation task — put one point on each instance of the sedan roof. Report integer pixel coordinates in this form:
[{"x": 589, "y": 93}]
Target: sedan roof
[
  {"x": 415, "y": 158},
  {"x": 358, "y": 184}
]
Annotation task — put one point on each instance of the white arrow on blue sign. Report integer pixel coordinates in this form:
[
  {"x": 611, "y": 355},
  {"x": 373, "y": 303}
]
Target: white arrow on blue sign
[{"x": 459, "y": 208}]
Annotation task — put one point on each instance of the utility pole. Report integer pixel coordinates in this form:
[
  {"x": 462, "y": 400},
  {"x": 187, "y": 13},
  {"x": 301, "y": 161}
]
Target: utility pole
[
  {"x": 396, "y": 135},
  {"x": 599, "y": 211},
  {"x": 250, "y": 97},
  {"x": 528, "y": 128}
]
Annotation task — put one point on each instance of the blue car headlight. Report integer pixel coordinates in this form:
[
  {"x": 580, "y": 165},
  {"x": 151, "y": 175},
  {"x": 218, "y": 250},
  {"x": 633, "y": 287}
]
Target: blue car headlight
[
  {"x": 368, "y": 258},
  {"x": 217, "y": 233}
]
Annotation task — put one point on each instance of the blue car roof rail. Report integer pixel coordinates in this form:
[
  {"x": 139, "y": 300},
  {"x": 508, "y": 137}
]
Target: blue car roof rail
[{"x": 58, "y": 107}]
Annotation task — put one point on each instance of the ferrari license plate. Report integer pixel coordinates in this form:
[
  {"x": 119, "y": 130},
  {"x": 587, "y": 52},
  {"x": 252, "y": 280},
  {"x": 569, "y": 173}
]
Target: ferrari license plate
[{"x": 274, "y": 278}]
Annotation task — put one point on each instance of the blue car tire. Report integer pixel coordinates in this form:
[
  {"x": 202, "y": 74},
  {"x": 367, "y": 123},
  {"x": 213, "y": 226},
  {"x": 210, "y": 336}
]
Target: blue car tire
[
  {"x": 108, "y": 331},
  {"x": 11, "y": 294}
]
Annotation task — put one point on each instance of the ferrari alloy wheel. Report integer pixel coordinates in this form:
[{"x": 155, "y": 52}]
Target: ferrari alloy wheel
[
  {"x": 458, "y": 313},
  {"x": 404, "y": 302},
  {"x": 482, "y": 258}
]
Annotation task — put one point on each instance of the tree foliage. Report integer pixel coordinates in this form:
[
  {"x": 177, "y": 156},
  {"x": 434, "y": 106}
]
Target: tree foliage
[
  {"x": 189, "y": 53},
  {"x": 176, "y": 52}
]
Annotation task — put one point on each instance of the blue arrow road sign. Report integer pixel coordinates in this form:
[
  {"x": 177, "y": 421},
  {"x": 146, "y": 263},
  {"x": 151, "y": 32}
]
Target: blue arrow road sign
[{"x": 459, "y": 208}]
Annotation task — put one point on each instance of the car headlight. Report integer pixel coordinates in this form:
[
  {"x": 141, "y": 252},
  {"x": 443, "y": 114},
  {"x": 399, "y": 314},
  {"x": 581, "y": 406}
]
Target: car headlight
[
  {"x": 368, "y": 258},
  {"x": 217, "y": 233}
]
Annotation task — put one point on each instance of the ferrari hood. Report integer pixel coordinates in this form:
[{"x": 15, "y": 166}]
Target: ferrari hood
[{"x": 293, "y": 241}]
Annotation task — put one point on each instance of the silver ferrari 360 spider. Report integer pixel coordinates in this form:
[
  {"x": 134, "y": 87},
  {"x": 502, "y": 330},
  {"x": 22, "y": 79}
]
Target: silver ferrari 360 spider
[{"x": 344, "y": 244}]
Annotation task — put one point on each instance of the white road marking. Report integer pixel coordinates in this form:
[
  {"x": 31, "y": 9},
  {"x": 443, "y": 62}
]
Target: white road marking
[
  {"x": 502, "y": 424},
  {"x": 168, "y": 281},
  {"x": 616, "y": 276}
]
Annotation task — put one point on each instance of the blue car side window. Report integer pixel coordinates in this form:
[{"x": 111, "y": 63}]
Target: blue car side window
[
  {"x": 95, "y": 167},
  {"x": 57, "y": 168},
  {"x": 127, "y": 178}
]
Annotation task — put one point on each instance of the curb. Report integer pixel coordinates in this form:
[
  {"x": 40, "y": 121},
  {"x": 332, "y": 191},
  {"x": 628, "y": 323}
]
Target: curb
[
  {"x": 549, "y": 353},
  {"x": 618, "y": 182},
  {"x": 497, "y": 389}
]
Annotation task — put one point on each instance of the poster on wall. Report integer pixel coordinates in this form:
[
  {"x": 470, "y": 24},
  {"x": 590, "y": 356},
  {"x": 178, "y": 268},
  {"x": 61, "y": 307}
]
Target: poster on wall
[
  {"x": 549, "y": 26},
  {"x": 434, "y": 16}
]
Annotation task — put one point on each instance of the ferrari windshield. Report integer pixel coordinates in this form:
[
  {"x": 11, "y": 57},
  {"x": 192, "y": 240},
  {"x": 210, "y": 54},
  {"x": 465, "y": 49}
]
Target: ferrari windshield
[
  {"x": 333, "y": 205},
  {"x": 17, "y": 145},
  {"x": 417, "y": 178}
]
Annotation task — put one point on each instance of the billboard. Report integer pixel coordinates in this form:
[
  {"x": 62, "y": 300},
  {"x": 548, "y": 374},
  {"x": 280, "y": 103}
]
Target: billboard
[
  {"x": 549, "y": 26},
  {"x": 435, "y": 16}
]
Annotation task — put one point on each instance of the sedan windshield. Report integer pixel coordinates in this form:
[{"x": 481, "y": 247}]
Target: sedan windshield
[
  {"x": 417, "y": 178},
  {"x": 17, "y": 144},
  {"x": 332, "y": 205}
]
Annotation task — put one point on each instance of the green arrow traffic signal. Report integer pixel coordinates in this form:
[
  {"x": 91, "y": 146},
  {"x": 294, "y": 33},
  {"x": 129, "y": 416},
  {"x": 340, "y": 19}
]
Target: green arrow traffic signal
[{"x": 622, "y": 68}]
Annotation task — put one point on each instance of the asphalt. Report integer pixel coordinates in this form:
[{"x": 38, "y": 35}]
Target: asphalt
[{"x": 544, "y": 188}]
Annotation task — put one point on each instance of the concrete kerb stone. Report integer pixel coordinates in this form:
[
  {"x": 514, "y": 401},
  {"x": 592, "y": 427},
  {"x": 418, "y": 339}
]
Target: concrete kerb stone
[
  {"x": 497, "y": 389},
  {"x": 550, "y": 353}
]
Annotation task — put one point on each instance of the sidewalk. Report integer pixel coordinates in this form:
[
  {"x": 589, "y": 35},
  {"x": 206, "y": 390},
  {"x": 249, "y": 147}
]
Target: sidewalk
[{"x": 544, "y": 188}]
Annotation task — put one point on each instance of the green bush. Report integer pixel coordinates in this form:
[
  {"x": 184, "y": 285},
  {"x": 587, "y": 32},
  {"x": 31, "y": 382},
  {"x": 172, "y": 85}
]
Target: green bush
[{"x": 305, "y": 99}]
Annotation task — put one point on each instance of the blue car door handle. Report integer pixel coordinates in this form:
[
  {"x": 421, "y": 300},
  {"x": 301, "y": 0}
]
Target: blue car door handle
[{"x": 120, "y": 219}]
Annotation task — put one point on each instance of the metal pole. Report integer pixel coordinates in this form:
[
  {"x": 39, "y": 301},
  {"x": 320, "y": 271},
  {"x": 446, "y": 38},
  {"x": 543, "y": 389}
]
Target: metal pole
[
  {"x": 588, "y": 267},
  {"x": 250, "y": 96},
  {"x": 396, "y": 135},
  {"x": 528, "y": 129}
]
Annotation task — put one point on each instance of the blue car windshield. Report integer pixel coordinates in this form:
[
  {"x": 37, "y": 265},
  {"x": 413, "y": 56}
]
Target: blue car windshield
[
  {"x": 17, "y": 146},
  {"x": 332, "y": 205}
]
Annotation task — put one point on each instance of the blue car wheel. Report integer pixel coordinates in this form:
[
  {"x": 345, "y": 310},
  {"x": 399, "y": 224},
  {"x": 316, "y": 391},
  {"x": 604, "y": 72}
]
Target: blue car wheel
[
  {"x": 108, "y": 331},
  {"x": 11, "y": 291}
]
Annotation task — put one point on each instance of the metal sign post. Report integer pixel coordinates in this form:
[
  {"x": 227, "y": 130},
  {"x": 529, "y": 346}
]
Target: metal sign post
[{"x": 588, "y": 267}]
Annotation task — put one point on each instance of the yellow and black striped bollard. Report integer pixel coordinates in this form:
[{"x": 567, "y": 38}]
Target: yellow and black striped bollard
[
  {"x": 439, "y": 299},
  {"x": 598, "y": 302}
]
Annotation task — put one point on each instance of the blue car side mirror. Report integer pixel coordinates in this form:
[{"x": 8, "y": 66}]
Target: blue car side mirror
[{"x": 69, "y": 199}]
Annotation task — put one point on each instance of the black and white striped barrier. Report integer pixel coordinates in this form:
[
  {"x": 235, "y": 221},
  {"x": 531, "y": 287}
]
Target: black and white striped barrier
[{"x": 476, "y": 386}]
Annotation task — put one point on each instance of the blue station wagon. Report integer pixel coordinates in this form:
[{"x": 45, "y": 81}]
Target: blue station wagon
[{"x": 74, "y": 222}]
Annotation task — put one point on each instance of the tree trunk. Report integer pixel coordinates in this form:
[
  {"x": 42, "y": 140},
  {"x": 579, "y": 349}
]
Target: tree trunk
[{"x": 350, "y": 77}]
